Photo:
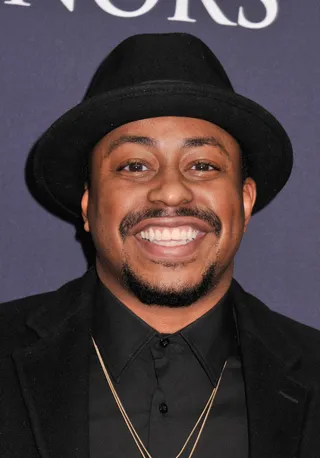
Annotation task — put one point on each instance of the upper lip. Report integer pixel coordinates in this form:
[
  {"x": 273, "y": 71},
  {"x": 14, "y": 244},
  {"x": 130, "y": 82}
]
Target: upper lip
[{"x": 176, "y": 221}]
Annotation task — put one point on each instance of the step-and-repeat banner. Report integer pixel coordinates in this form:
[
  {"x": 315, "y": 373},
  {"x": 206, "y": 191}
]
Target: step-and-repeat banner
[{"x": 270, "y": 48}]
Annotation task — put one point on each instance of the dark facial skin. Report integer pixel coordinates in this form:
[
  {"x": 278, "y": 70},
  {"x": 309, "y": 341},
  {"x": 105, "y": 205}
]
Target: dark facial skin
[{"x": 183, "y": 171}]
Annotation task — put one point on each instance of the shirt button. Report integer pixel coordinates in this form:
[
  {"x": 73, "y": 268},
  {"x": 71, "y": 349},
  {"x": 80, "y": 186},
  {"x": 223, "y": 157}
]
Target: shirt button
[
  {"x": 164, "y": 342},
  {"x": 163, "y": 408}
]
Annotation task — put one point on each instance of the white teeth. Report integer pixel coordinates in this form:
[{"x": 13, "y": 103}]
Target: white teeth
[
  {"x": 169, "y": 235},
  {"x": 151, "y": 235},
  {"x": 175, "y": 234},
  {"x": 158, "y": 235},
  {"x": 166, "y": 235}
]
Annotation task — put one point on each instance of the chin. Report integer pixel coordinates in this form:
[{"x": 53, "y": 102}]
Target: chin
[{"x": 177, "y": 291}]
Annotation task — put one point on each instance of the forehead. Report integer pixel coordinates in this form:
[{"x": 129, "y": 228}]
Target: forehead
[{"x": 171, "y": 129}]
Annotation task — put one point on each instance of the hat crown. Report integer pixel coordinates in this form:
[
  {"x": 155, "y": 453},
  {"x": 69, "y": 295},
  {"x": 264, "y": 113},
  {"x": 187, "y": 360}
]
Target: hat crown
[
  {"x": 158, "y": 57},
  {"x": 148, "y": 76}
]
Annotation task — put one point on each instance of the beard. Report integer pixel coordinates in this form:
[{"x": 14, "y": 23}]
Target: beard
[{"x": 168, "y": 297}]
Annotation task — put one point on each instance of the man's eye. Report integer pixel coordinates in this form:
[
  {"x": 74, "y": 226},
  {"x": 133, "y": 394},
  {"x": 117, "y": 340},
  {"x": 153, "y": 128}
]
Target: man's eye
[
  {"x": 137, "y": 166},
  {"x": 204, "y": 166},
  {"x": 134, "y": 166}
]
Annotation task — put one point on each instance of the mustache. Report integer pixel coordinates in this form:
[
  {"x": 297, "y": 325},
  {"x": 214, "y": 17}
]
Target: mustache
[{"x": 209, "y": 216}]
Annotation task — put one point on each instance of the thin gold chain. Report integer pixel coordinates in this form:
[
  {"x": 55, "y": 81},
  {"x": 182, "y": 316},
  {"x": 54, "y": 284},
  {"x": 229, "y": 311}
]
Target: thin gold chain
[{"x": 144, "y": 452}]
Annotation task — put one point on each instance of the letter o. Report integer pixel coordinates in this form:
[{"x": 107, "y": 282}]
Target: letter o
[{"x": 108, "y": 7}]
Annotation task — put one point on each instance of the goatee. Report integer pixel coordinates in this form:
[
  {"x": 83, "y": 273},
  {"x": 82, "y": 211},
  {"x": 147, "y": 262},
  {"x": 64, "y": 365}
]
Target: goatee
[{"x": 154, "y": 295}]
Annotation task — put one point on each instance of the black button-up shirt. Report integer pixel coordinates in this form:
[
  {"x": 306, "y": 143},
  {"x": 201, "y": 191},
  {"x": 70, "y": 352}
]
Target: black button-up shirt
[{"x": 164, "y": 382}]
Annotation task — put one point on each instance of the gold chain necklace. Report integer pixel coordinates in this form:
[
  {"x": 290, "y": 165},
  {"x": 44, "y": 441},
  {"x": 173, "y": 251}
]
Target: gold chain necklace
[{"x": 144, "y": 452}]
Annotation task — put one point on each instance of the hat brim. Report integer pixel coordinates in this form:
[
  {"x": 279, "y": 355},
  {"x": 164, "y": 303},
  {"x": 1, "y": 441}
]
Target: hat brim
[{"x": 60, "y": 156}]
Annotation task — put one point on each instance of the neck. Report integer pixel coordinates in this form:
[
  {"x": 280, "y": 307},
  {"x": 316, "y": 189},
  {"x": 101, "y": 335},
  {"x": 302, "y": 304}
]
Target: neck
[{"x": 167, "y": 320}]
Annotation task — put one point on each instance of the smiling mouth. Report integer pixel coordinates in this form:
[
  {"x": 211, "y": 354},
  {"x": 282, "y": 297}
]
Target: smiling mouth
[
  {"x": 170, "y": 249},
  {"x": 177, "y": 237},
  {"x": 170, "y": 238}
]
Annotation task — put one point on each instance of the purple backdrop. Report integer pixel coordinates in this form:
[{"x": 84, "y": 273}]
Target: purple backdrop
[{"x": 49, "y": 52}]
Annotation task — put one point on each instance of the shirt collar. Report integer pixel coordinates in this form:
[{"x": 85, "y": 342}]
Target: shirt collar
[
  {"x": 121, "y": 335},
  {"x": 212, "y": 336}
]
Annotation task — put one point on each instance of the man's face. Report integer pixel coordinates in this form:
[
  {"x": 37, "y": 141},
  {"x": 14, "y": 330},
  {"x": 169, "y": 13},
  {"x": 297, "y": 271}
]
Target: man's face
[{"x": 167, "y": 208}]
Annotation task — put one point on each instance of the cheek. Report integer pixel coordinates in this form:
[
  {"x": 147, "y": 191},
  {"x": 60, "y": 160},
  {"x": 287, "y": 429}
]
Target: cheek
[
  {"x": 104, "y": 219},
  {"x": 226, "y": 199},
  {"x": 107, "y": 209},
  {"x": 227, "y": 203}
]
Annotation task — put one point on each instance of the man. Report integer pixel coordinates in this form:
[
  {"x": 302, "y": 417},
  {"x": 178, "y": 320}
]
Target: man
[{"x": 156, "y": 351}]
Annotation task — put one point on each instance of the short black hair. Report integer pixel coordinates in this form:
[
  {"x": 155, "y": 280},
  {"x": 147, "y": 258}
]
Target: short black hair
[
  {"x": 87, "y": 173},
  {"x": 244, "y": 166}
]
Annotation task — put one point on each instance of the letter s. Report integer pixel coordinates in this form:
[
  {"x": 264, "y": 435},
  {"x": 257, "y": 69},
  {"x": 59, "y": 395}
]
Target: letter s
[{"x": 271, "y": 7}]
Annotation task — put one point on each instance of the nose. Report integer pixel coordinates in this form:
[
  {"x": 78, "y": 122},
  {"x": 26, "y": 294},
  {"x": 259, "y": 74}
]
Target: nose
[{"x": 170, "y": 189}]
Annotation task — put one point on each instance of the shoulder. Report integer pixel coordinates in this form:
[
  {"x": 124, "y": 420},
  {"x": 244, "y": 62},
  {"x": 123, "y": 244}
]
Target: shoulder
[
  {"x": 18, "y": 308},
  {"x": 301, "y": 335},
  {"x": 14, "y": 314},
  {"x": 305, "y": 336}
]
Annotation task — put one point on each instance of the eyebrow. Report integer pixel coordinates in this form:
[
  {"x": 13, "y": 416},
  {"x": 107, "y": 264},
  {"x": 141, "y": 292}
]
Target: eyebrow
[
  {"x": 140, "y": 140},
  {"x": 193, "y": 142}
]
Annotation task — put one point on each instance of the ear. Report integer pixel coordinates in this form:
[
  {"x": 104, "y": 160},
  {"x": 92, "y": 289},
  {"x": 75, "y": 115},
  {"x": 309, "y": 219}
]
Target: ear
[
  {"x": 84, "y": 208},
  {"x": 249, "y": 191}
]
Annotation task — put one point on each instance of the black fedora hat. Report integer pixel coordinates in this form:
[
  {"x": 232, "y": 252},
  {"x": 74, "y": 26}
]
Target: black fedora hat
[{"x": 154, "y": 75}]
